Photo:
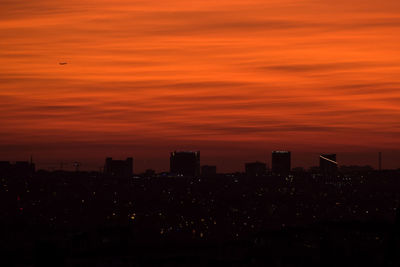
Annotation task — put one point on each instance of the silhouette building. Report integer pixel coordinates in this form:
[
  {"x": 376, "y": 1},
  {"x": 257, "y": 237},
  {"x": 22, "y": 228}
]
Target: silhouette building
[
  {"x": 328, "y": 166},
  {"x": 19, "y": 168},
  {"x": 119, "y": 168},
  {"x": 207, "y": 170},
  {"x": 185, "y": 163},
  {"x": 5, "y": 167},
  {"x": 149, "y": 173},
  {"x": 255, "y": 169},
  {"x": 281, "y": 162}
]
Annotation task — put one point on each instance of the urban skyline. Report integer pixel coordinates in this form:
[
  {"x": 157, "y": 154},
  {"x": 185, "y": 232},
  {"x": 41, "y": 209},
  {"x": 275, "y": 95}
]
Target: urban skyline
[
  {"x": 199, "y": 133},
  {"x": 240, "y": 167}
]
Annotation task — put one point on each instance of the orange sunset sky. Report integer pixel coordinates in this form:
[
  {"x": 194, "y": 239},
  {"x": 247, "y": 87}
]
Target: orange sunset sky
[{"x": 232, "y": 78}]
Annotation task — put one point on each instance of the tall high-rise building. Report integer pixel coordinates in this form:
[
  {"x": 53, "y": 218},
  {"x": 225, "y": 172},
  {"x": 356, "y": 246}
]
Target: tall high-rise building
[
  {"x": 254, "y": 169},
  {"x": 119, "y": 168},
  {"x": 328, "y": 165},
  {"x": 281, "y": 162},
  {"x": 186, "y": 163}
]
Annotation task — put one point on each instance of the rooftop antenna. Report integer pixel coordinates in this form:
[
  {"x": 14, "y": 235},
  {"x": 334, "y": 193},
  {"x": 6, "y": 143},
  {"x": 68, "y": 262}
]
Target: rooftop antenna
[{"x": 380, "y": 161}]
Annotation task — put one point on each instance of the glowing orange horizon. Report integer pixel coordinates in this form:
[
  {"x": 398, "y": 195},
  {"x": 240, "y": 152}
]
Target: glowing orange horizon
[{"x": 220, "y": 76}]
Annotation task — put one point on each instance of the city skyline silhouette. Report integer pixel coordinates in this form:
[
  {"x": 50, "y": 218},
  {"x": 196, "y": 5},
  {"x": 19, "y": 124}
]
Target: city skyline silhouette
[
  {"x": 161, "y": 164},
  {"x": 199, "y": 133}
]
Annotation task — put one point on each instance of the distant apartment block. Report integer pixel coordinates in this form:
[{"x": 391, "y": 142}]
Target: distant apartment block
[
  {"x": 328, "y": 165},
  {"x": 19, "y": 169},
  {"x": 255, "y": 169},
  {"x": 118, "y": 168},
  {"x": 185, "y": 163},
  {"x": 281, "y": 162}
]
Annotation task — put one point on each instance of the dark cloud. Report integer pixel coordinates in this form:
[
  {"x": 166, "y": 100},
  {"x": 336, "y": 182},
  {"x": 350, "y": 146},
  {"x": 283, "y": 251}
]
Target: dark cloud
[{"x": 321, "y": 67}]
